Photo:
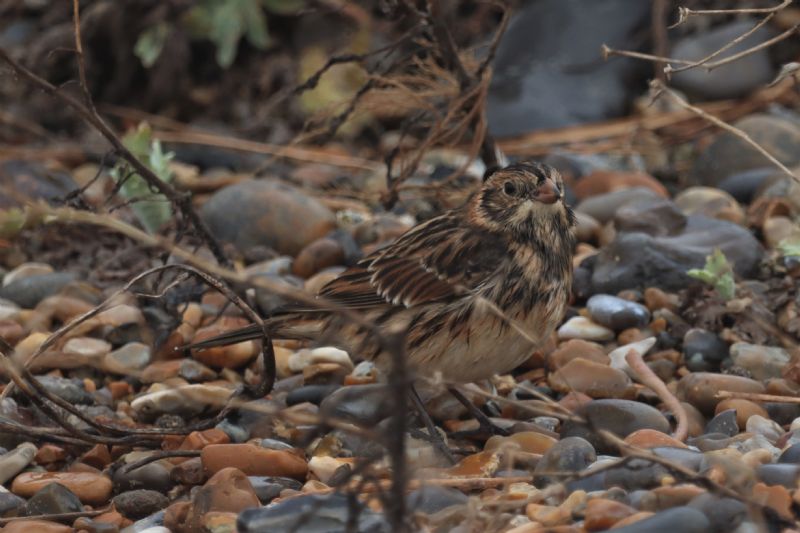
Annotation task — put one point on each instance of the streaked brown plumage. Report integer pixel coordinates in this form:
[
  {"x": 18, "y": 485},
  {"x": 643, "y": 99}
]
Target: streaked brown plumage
[{"x": 477, "y": 287}]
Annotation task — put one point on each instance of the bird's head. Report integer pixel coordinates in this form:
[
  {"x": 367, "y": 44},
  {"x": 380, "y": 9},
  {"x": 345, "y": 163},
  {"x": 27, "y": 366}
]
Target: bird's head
[{"x": 525, "y": 199}]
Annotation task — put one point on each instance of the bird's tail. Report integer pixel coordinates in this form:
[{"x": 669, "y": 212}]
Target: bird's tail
[{"x": 276, "y": 328}]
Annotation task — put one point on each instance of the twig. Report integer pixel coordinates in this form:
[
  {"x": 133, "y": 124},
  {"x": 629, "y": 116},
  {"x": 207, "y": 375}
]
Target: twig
[
  {"x": 181, "y": 200},
  {"x": 660, "y": 88},
  {"x": 761, "y": 46},
  {"x": 669, "y": 70},
  {"x": 76, "y": 21},
  {"x": 649, "y": 379},
  {"x": 55, "y": 517},
  {"x": 684, "y": 12},
  {"x": 758, "y": 397}
]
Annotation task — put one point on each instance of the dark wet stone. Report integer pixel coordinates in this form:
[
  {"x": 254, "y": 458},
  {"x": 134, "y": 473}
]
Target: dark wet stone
[
  {"x": 683, "y": 519},
  {"x": 310, "y": 393},
  {"x": 235, "y": 432},
  {"x": 791, "y": 454},
  {"x": 69, "y": 390},
  {"x": 617, "y": 313},
  {"x": 725, "y": 514},
  {"x": 267, "y": 213},
  {"x": 683, "y": 456},
  {"x": 151, "y": 476},
  {"x": 656, "y": 216},
  {"x": 154, "y": 520},
  {"x": 432, "y": 499},
  {"x": 724, "y": 423},
  {"x": 52, "y": 499},
  {"x": 729, "y": 154},
  {"x": 570, "y": 454},
  {"x": 27, "y": 292},
  {"x": 621, "y": 417},
  {"x": 251, "y": 417},
  {"x": 189, "y": 472},
  {"x": 782, "y": 413},
  {"x": 636, "y": 474},
  {"x": 9, "y": 502},
  {"x": 702, "y": 344},
  {"x": 785, "y": 474},
  {"x": 274, "y": 444},
  {"x": 728, "y": 81},
  {"x": 537, "y": 82},
  {"x": 268, "y": 488},
  {"x": 136, "y": 504},
  {"x": 269, "y": 302},
  {"x": 21, "y": 181},
  {"x": 604, "y": 207},
  {"x": 311, "y": 514},
  {"x": 366, "y": 404},
  {"x": 638, "y": 260},
  {"x": 743, "y": 186}
]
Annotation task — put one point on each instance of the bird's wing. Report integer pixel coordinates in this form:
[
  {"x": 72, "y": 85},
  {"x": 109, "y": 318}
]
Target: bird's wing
[{"x": 439, "y": 260}]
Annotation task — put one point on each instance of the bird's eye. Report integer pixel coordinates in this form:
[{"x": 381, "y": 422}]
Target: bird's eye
[{"x": 509, "y": 188}]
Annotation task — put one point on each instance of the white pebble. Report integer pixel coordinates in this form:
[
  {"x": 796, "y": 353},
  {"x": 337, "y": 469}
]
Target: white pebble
[{"x": 579, "y": 327}]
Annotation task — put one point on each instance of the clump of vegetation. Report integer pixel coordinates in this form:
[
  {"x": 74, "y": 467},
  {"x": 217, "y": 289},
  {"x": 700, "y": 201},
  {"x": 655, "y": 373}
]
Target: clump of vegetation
[
  {"x": 223, "y": 22},
  {"x": 151, "y": 208},
  {"x": 718, "y": 273}
]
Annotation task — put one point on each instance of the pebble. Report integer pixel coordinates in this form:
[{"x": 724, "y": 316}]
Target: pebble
[
  {"x": 267, "y": 488},
  {"x": 128, "y": 359},
  {"x": 784, "y": 474},
  {"x": 729, "y": 154},
  {"x": 326, "y": 354},
  {"x": 26, "y": 270},
  {"x": 152, "y": 476},
  {"x": 733, "y": 80},
  {"x": 267, "y": 213},
  {"x": 605, "y": 181},
  {"x": 579, "y": 327},
  {"x": 618, "y": 356},
  {"x": 332, "y": 512},
  {"x": 88, "y": 349},
  {"x": 39, "y": 526},
  {"x": 593, "y": 379},
  {"x": 13, "y": 462},
  {"x": 253, "y": 460},
  {"x": 776, "y": 497},
  {"x": 365, "y": 404},
  {"x": 650, "y": 438},
  {"x": 93, "y": 489},
  {"x": 431, "y": 499},
  {"x": 638, "y": 260},
  {"x": 27, "y": 292},
  {"x": 601, "y": 514},
  {"x": 524, "y": 441},
  {"x": 137, "y": 504},
  {"x": 570, "y": 454},
  {"x": 576, "y": 348},
  {"x": 762, "y": 362},
  {"x": 791, "y": 454},
  {"x": 617, "y": 313},
  {"x": 744, "y": 410},
  {"x": 54, "y": 498},
  {"x": 700, "y": 388},
  {"x": 604, "y": 207},
  {"x": 724, "y": 422},
  {"x": 703, "y": 346},
  {"x": 621, "y": 417},
  {"x": 764, "y": 426},
  {"x": 189, "y": 472},
  {"x": 316, "y": 256},
  {"x": 684, "y": 519},
  {"x": 711, "y": 202},
  {"x": 230, "y": 356},
  {"x": 184, "y": 400}
]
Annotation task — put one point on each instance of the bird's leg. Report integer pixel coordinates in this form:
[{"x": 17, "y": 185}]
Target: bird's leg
[
  {"x": 486, "y": 425},
  {"x": 433, "y": 435}
]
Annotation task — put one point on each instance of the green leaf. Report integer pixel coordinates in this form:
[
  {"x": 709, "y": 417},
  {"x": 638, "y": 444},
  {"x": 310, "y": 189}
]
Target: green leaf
[
  {"x": 150, "y": 43},
  {"x": 256, "y": 24},
  {"x": 226, "y": 30},
  {"x": 12, "y": 220},
  {"x": 152, "y": 209},
  {"x": 718, "y": 273},
  {"x": 790, "y": 247}
]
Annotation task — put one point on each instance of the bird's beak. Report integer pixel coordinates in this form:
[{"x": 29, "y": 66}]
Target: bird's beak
[{"x": 547, "y": 192}]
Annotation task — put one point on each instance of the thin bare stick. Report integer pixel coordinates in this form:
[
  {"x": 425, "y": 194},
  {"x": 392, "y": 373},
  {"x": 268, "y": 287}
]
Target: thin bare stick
[
  {"x": 76, "y": 21},
  {"x": 684, "y": 12},
  {"x": 648, "y": 378},
  {"x": 608, "y": 52},
  {"x": 660, "y": 88},
  {"x": 668, "y": 69},
  {"x": 743, "y": 53},
  {"x": 757, "y": 397}
]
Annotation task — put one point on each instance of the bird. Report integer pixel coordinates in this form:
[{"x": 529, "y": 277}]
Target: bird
[{"x": 475, "y": 289}]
